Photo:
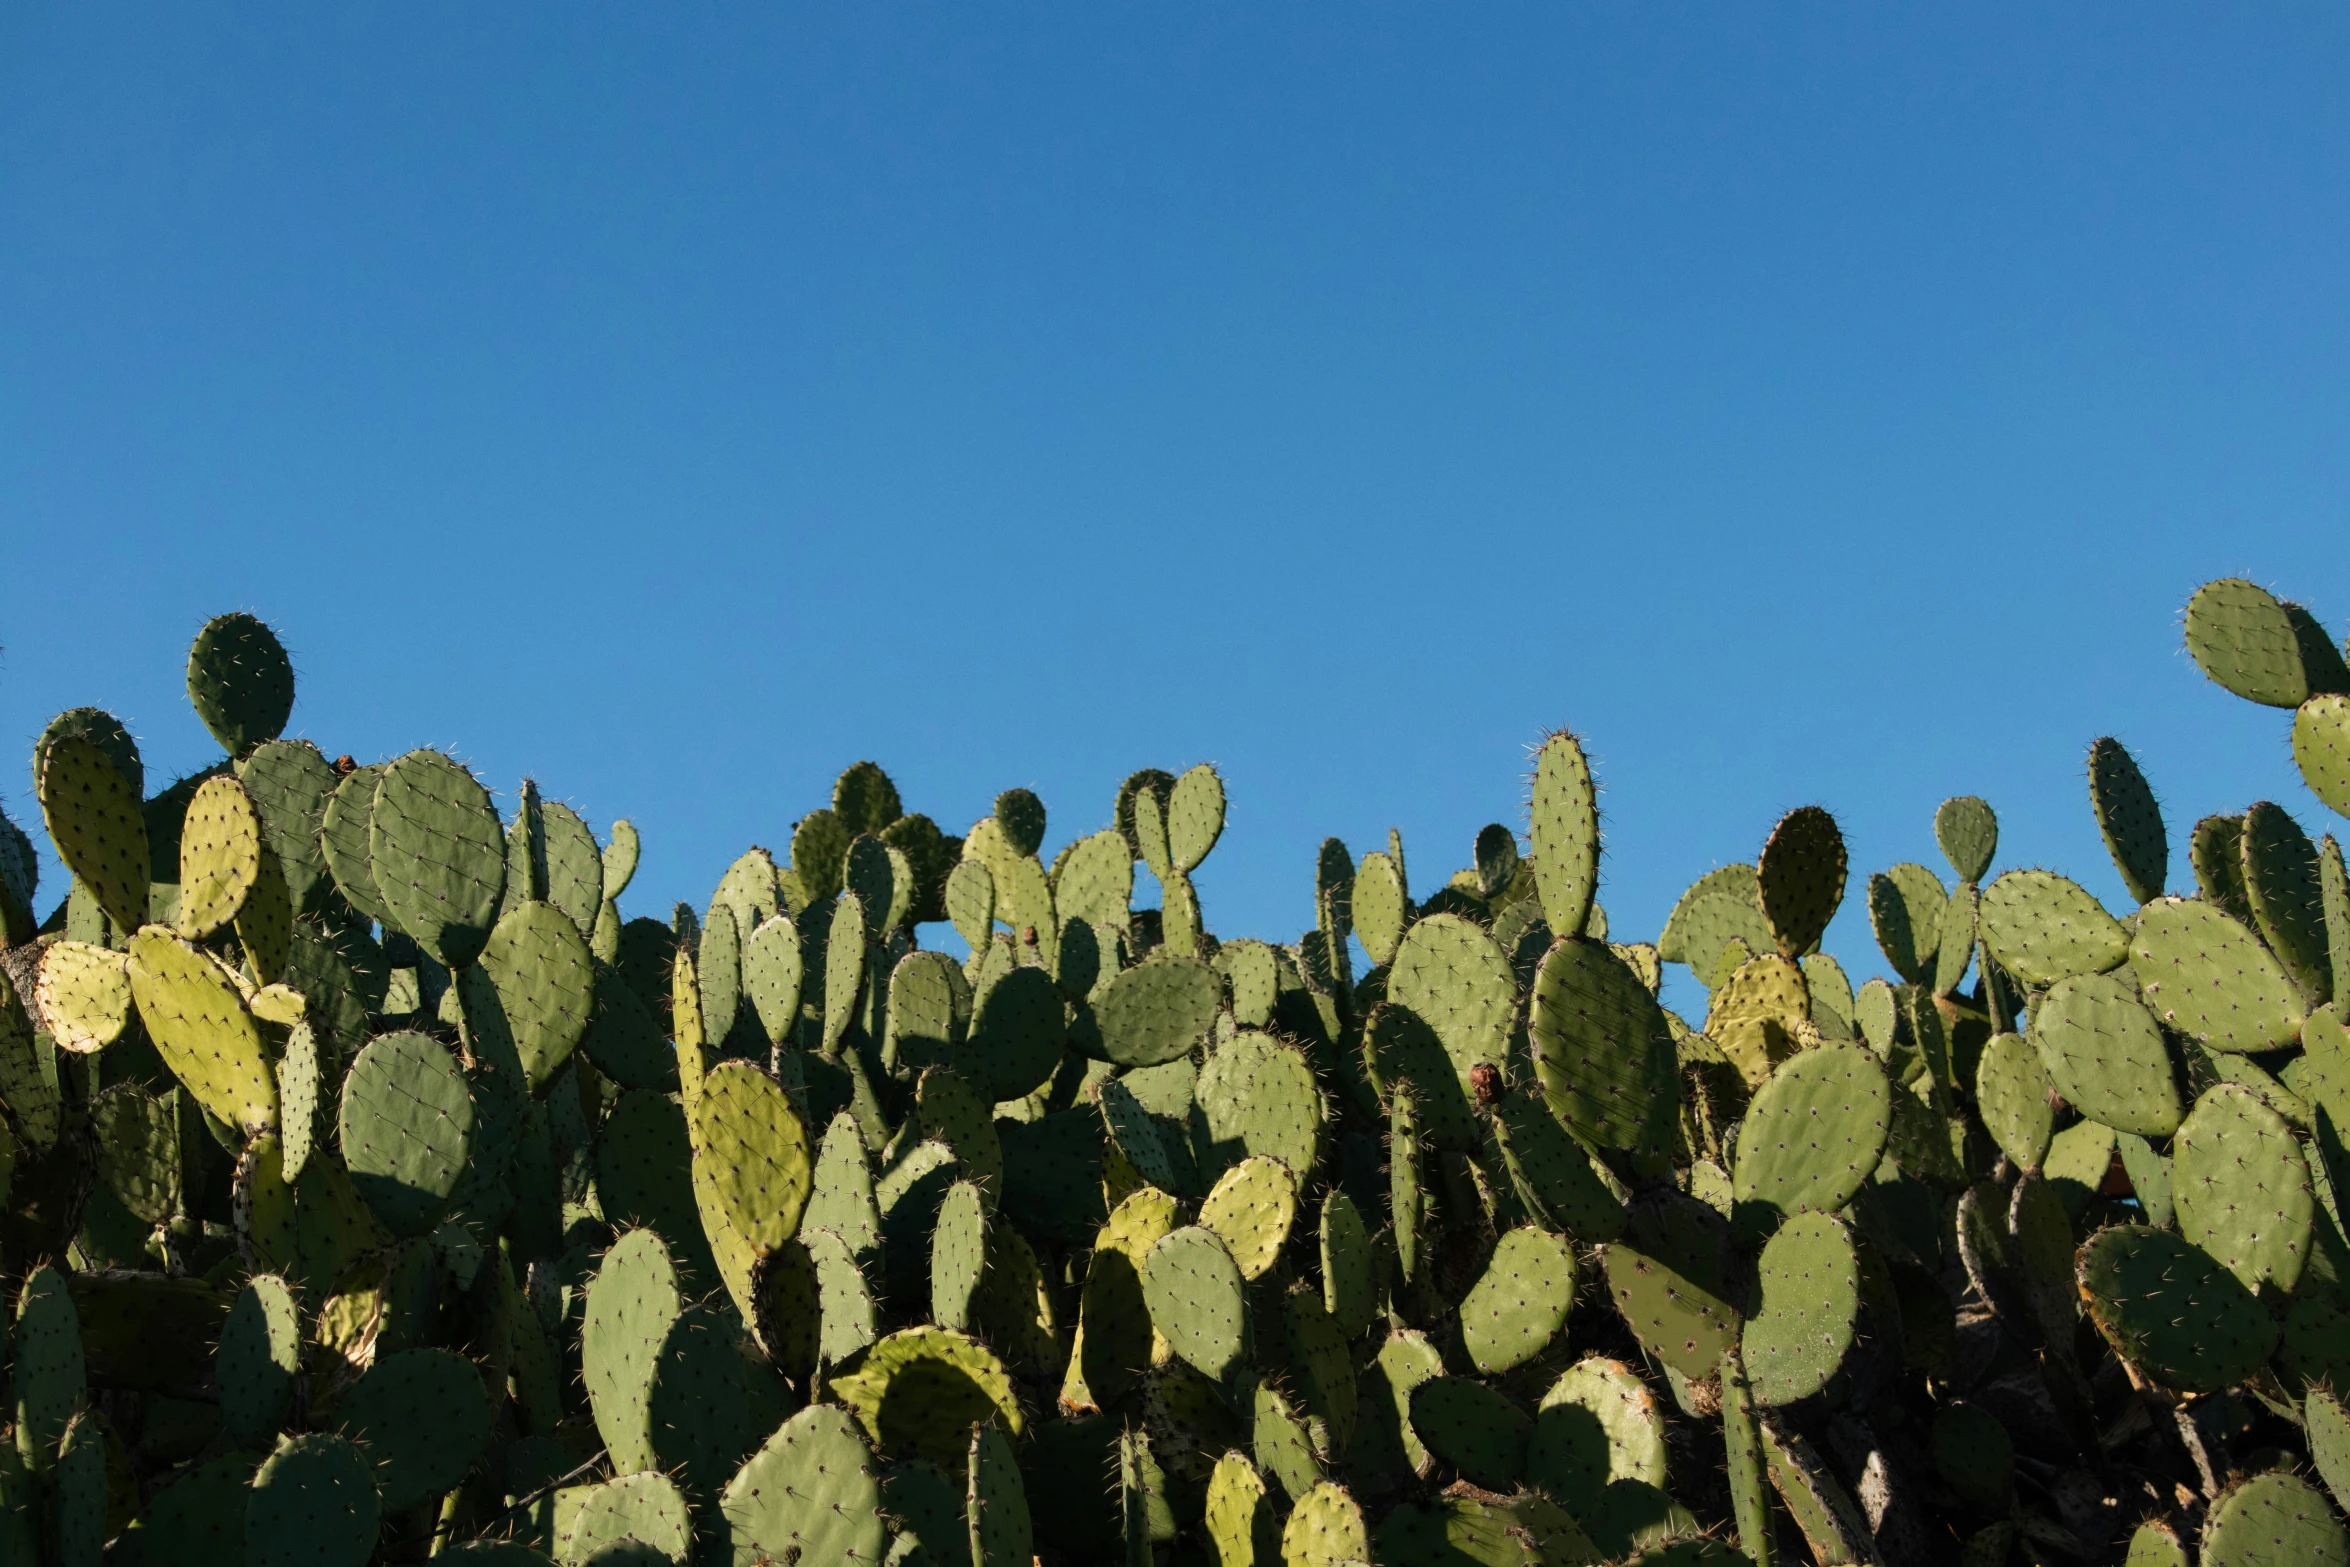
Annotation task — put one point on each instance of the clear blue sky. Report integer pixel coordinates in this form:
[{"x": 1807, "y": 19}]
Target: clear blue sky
[{"x": 676, "y": 403}]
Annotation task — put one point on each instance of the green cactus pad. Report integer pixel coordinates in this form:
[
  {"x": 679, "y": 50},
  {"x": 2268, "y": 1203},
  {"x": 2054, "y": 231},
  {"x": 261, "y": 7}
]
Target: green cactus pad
[
  {"x": 2043, "y": 927},
  {"x": 773, "y": 972},
  {"x": 1905, "y": 912},
  {"x": 1809, "y": 1283},
  {"x": 2206, "y": 975},
  {"x": 1400, "y": 1047},
  {"x": 950, "y": 1110},
  {"x": 1519, "y": 1306},
  {"x": 260, "y": 1357},
  {"x": 638, "y": 1519},
  {"x": 2105, "y": 1054},
  {"x": 1800, "y": 878},
  {"x": 94, "y": 819},
  {"x": 1325, "y": 1529},
  {"x": 958, "y": 1257},
  {"x": 1017, "y": 1032},
  {"x": 220, "y": 856},
  {"x": 407, "y": 1125},
  {"x": 1194, "y": 1293},
  {"x": 2172, "y": 1309},
  {"x": 929, "y": 1010},
  {"x": 2273, "y": 1517},
  {"x": 2242, "y": 1188},
  {"x": 631, "y": 1304},
  {"x": 2216, "y": 851},
  {"x": 241, "y": 681},
  {"x": 83, "y": 995},
  {"x": 1473, "y": 1428},
  {"x": 198, "y": 1520},
  {"x": 1158, "y": 1159},
  {"x": 437, "y": 855},
  {"x": 343, "y": 840},
  {"x": 2245, "y": 640},
  {"x": 1195, "y": 817},
  {"x": 1564, "y": 826},
  {"x": 841, "y": 1198},
  {"x": 1813, "y": 1133},
  {"x": 1257, "y": 1096},
  {"x": 1551, "y": 1173},
  {"x": 919, "y": 1390},
  {"x": 970, "y": 899},
  {"x": 996, "y": 1503},
  {"x": 546, "y": 983},
  {"x": 1757, "y": 1015},
  {"x": 1598, "y": 1449},
  {"x": 420, "y": 1417},
  {"x": 845, "y": 1316},
  {"x": 2281, "y": 889},
  {"x": 1251, "y": 1209},
  {"x": 846, "y": 950},
  {"x": 2130, "y": 818},
  {"x": 712, "y": 1400},
  {"x": 2012, "y": 1090},
  {"x": 1381, "y": 906},
  {"x": 1458, "y": 981},
  {"x": 1319, "y": 1356},
  {"x": 718, "y": 974},
  {"x": 50, "y": 1379},
  {"x": 313, "y": 1505},
  {"x": 1094, "y": 880},
  {"x": 1158, "y": 1011},
  {"x": 2321, "y": 749},
  {"x": 1722, "y": 905},
  {"x": 1967, "y": 831},
  {"x": 1601, "y": 1048},
  {"x": 196, "y": 1017},
  {"x": 1350, "y": 1291},
  {"x": 1668, "y": 1278},
  {"x": 1239, "y": 1515}
]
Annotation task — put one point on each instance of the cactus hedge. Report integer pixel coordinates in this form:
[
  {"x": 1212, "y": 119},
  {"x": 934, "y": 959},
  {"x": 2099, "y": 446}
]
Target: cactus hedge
[{"x": 374, "y": 1189}]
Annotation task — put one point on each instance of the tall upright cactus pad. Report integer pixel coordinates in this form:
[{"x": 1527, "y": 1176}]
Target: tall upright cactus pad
[
  {"x": 631, "y": 1303},
  {"x": 198, "y": 1021},
  {"x": 314, "y": 1504},
  {"x": 1239, "y": 1515},
  {"x": 2013, "y": 1092},
  {"x": 1800, "y": 878},
  {"x": 753, "y": 1169},
  {"x": 220, "y": 857},
  {"x": 241, "y": 681},
  {"x": 1601, "y": 1049},
  {"x": 407, "y": 1125},
  {"x": 996, "y": 1503},
  {"x": 2253, "y": 644},
  {"x": 1474, "y": 1428},
  {"x": 1905, "y": 913},
  {"x": 1325, "y": 1529},
  {"x": 2106, "y": 1055},
  {"x": 1519, "y": 1306},
  {"x": 422, "y": 1417},
  {"x": 1563, "y": 821},
  {"x": 259, "y": 1360},
  {"x": 2171, "y": 1309},
  {"x": 94, "y": 819},
  {"x": 1966, "y": 830},
  {"x": 50, "y": 1378},
  {"x": 2281, "y": 888},
  {"x": 1450, "y": 972},
  {"x": 1258, "y": 1096},
  {"x": 2129, "y": 818},
  {"x": 437, "y": 855},
  {"x": 2044, "y": 927},
  {"x": 538, "y": 962},
  {"x": 1552, "y": 1174},
  {"x": 1251, "y": 1210},
  {"x": 2206, "y": 975},
  {"x": 1745, "y": 1464},
  {"x": 2321, "y": 748},
  {"x": 2242, "y": 1188},
  {"x": 1808, "y": 1281},
  {"x": 344, "y": 839}
]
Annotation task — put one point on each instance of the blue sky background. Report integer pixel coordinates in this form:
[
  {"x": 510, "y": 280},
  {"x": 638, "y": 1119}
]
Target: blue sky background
[{"x": 676, "y": 403}]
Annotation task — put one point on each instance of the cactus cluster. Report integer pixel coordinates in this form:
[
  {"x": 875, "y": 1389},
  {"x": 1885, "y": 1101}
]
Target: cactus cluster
[{"x": 373, "y": 1190}]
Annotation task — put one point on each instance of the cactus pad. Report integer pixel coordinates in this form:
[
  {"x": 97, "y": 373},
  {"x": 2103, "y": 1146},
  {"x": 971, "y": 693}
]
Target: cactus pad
[
  {"x": 1519, "y": 1306},
  {"x": 220, "y": 856},
  {"x": 1450, "y": 972},
  {"x": 1668, "y": 1279},
  {"x": 313, "y": 1505},
  {"x": 1905, "y": 912},
  {"x": 2105, "y": 1054},
  {"x": 2206, "y": 975},
  {"x": 437, "y": 855},
  {"x": 420, "y": 1416},
  {"x": 958, "y": 1256},
  {"x": 919, "y": 1390},
  {"x": 2244, "y": 639},
  {"x": 2321, "y": 749},
  {"x": 1195, "y": 1297},
  {"x": 546, "y": 984},
  {"x": 2273, "y": 1517},
  {"x": 2242, "y": 1188},
  {"x": 1758, "y": 1013},
  {"x": 260, "y": 1357},
  {"x": 1601, "y": 1048},
  {"x": 1158, "y": 1011},
  {"x": 1564, "y": 825},
  {"x": 2171, "y": 1309},
  {"x": 84, "y": 995},
  {"x": 1551, "y": 1173},
  {"x": 1813, "y": 1133},
  {"x": 95, "y": 820},
  {"x": 638, "y": 1519},
  {"x": 1800, "y": 878},
  {"x": 1325, "y": 1529},
  {"x": 1598, "y": 1449},
  {"x": 1258, "y": 1096},
  {"x": 1251, "y": 1209},
  {"x": 2012, "y": 1090},
  {"x": 1016, "y": 1036},
  {"x": 196, "y": 1017},
  {"x": 1473, "y": 1428},
  {"x": 631, "y": 1303},
  {"x": 407, "y": 1129},
  {"x": 1809, "y": 1283},
  {"x": 2043, "y": 927},
  {"x": 2130, "y": 818}
]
